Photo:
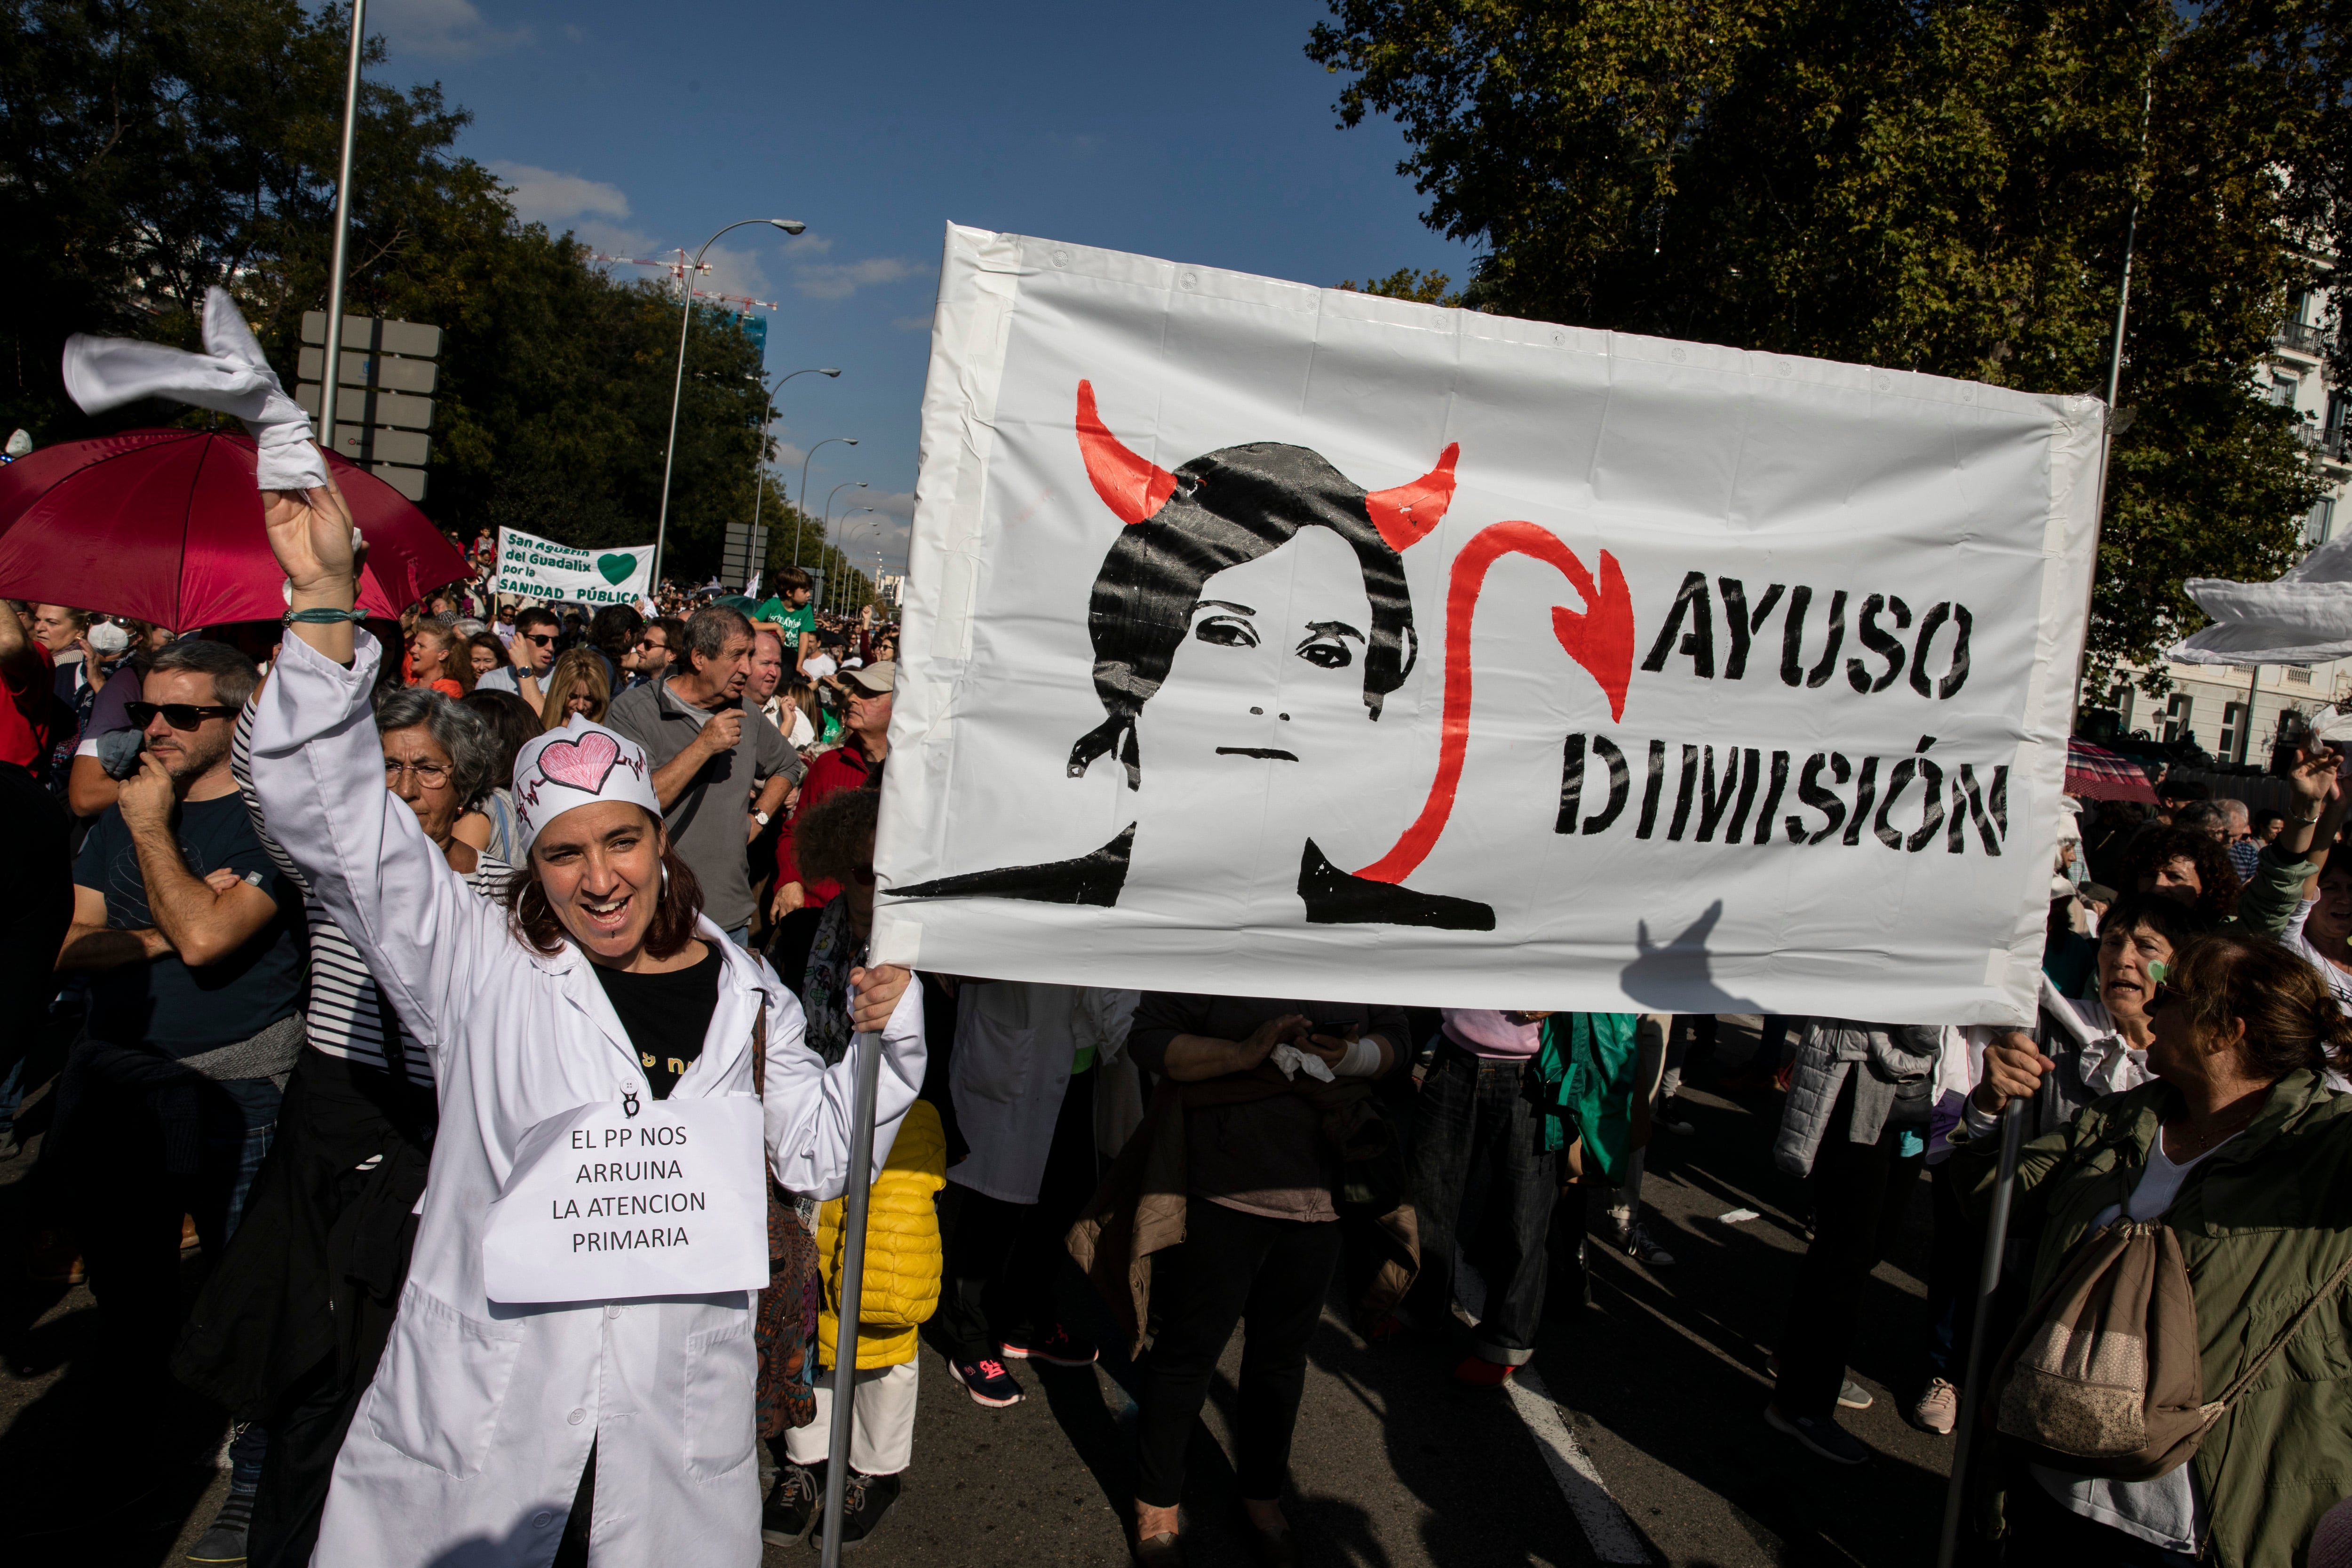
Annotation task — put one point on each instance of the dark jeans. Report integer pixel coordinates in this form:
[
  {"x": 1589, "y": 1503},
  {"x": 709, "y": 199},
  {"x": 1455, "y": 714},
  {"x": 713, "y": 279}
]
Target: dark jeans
[
  {"x": 1476, "y": 1117},
  {"x": 1858, "y": 1191},
  {"x": 1004, "y": 1257},
  {"x": 1955, "y": 1268},
  {"x": 1231, "y": 1266},
  {"x": 37, "y": 870},
  {"x": 127, "y": 1205}
]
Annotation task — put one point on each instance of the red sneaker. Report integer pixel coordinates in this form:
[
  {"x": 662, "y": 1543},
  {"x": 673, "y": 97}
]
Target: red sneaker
[{"x": 1478, "y": 1371}]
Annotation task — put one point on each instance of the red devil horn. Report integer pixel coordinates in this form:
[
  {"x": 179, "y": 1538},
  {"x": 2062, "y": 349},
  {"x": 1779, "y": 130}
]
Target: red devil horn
[
  {"x": 1405, "y": 515},
  {"x": 1133, "y": 488}
]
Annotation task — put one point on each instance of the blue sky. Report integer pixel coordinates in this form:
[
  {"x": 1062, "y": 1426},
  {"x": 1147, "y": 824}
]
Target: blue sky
[{"x": 1202, "y": 133}]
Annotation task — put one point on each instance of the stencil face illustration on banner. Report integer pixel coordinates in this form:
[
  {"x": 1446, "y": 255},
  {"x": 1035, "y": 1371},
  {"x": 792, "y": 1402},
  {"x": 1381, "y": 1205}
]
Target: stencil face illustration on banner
[{"x": 1264, "y": 638}]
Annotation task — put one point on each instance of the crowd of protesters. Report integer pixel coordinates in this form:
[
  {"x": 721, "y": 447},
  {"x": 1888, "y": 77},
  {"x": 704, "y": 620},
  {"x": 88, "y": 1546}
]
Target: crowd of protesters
[{"x": 259, "y": 958}]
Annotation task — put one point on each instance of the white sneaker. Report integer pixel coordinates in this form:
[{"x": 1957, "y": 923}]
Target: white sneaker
[{"x": 1937, "y": 1410}]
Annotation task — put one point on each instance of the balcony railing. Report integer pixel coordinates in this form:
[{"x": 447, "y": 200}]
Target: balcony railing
[
  {"x": 2303, "y": 338},
  {"x": 2326, "y": 440}
]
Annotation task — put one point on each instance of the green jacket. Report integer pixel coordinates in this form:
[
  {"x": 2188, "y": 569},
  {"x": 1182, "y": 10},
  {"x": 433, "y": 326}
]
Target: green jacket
[
  {"x": 1586, "y": 1065},
  {"x": 2262, "y": 1223}
]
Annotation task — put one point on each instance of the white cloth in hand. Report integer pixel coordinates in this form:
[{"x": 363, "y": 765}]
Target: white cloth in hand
[
  {"x": 1291, "y": 1060},
  {"x": 231, "y": 377}
]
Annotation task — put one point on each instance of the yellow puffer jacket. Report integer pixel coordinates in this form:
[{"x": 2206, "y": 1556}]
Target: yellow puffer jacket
[{"x": 902, "y": 1248}]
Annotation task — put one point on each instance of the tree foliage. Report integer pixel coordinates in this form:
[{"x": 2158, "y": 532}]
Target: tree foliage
[
  {"x": 1938, "y": 185},
  {"x": 151, "y": 148}
]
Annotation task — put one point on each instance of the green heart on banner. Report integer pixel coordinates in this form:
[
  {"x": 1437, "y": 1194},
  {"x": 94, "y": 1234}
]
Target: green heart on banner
[{"x": 615, "y": 567}]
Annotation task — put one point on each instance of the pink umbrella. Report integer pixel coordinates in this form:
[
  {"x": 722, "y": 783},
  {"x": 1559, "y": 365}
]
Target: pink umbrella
[
  {"x": 2093, "y": 773},
  {"x": 165, "y": 526}
]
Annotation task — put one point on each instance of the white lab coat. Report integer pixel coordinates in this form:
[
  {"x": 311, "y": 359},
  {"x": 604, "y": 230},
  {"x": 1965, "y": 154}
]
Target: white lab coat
[
  {"x": 468, "y": 1444},
  {"x": 1014, "y": 1045}
]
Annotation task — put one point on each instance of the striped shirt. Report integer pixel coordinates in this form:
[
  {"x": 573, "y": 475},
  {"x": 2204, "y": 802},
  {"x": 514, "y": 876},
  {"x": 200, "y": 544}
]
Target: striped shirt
[{"x": 347, "y": 1015}]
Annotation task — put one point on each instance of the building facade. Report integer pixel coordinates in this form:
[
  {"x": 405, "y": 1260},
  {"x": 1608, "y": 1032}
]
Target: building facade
[{"x": 2234, "y": 710}]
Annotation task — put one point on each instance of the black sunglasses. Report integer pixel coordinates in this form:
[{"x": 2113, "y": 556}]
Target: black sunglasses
[
  {"x": 179, "y": 715},
  {"x": 541, "y": 638}
]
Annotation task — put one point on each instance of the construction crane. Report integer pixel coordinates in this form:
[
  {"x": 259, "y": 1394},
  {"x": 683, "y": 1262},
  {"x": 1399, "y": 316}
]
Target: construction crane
[{"x": 677, "y": 270}]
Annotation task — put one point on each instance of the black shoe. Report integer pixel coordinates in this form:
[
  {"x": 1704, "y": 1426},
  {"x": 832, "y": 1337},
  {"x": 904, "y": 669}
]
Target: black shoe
[
  {"x": 224, "y": 1544},
  {"x": 864, "y": 1500},
  {"x": 792, "y": 1505},
  {"x": 1821, "y": 1435}
]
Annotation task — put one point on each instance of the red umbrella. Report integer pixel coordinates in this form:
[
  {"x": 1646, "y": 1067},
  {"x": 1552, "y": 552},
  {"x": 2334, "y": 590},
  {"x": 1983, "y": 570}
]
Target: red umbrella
[
  {"x": 165, "y": 526},
  {"x": 2093, "y": 773}
]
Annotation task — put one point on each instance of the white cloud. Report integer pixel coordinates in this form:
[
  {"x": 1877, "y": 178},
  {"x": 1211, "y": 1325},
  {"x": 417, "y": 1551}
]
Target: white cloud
[
  {"x": 812, "y": 245},
  {"x": 734, "y": 272},
  {"x": 441, "y": 29},
  {"x": 898, "y": 503},
  {"x": 543, "y": 196},
  {"x": 911, "y": 324},
  {"x": 839, "y": 280}
]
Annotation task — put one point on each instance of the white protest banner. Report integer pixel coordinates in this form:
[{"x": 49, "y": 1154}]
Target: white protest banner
[
  {"x": 1282, "y": 641},
  {"x": 540, "y": 568},
  {"x": 616, "y": 1199}
]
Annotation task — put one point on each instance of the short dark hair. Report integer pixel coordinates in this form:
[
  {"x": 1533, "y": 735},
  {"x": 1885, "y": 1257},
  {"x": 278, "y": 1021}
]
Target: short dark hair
[
  {"x": 2265, "y": 817},
  {"x": 2175, "y": 921},
  {"x": 537, "y": 615},
  {"x": 829, "y": 838},
  {"x": 615, "y": 628},
  {"x": 1227, "y": 507},
  {"x": 790, "y": 579},
  {"x": 234, "y": 675},
  {"x": 512, "y": 722},
  {"x": 673, "y": 633},
  {"x": 709, "y": 631},
  {"x": 2217, "y": 877}
]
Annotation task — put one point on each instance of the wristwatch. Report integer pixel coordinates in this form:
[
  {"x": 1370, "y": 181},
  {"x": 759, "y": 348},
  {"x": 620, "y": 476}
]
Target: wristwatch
[{"x": 760, "y": 818}]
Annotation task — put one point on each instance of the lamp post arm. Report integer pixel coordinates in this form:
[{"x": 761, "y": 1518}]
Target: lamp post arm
[{"x": 677, "y": 385}]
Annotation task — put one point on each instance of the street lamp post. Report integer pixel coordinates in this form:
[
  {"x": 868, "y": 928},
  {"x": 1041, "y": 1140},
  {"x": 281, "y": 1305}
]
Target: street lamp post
[
  {"x": 841, "y": 599},
  {"x": 760, "y": 461},
  {"x": 825, "y": 538},
  {"x": 334, "y": 345},
  {"x": 677, "y": 385},
  {"x": 844, "y": 440}
]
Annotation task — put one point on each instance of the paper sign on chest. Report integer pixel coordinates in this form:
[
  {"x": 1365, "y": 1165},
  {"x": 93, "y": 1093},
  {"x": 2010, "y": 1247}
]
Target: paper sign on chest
[
  {"x": 632, "y": 1197},
  {"x": 1284, "y": 641}
]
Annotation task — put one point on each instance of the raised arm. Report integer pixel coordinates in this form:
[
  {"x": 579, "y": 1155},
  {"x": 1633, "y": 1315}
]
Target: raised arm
[
  {"x": 807, "y": 1105},
  {"x": 318, "y": 771}
]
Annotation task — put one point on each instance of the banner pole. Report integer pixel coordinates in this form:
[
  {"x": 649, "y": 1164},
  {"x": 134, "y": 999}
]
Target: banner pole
[
  {"x": 2004, "y": 1187},
  {"x": 855, "y": 1201}
]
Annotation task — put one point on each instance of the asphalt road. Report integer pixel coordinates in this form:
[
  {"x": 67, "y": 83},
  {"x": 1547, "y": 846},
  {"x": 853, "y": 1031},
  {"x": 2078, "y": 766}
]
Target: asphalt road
[{"x": 1655, "y": 1390}]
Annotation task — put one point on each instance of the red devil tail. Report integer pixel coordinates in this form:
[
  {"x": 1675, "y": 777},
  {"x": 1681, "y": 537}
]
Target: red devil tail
[{"x": 1601, "y": 639}]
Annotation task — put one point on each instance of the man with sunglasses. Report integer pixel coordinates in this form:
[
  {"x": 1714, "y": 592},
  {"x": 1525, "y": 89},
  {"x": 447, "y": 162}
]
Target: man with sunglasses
[
  {"x": 194, "y": 945},
  {"x": 533, "y": 651}
]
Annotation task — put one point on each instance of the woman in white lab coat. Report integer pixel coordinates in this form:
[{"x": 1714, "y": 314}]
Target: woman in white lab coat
[{"x": 485, "y": 1418}]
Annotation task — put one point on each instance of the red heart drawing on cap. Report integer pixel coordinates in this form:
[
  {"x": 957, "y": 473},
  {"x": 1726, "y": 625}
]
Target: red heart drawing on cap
[{"x": 580, "y": 764}]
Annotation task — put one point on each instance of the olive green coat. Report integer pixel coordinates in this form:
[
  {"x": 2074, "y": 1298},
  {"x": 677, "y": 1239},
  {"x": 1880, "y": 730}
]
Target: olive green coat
[{"x": 2262, "y": 1223}]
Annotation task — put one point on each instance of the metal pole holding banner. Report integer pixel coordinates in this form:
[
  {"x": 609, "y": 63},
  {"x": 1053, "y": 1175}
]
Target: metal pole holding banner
[
  {"x": 334, "y": 344},
  {"x": 1972, "y": 1389},
  {"x": 867, "y": 1050}
]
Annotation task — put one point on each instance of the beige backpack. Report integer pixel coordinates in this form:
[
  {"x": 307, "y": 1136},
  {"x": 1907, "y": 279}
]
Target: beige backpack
[{"x": 2104, "y": 1377}]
